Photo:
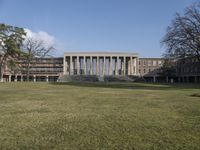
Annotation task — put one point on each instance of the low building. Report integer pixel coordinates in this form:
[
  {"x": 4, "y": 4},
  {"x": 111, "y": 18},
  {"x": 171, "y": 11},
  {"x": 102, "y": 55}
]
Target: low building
[
  {"x": 103, "y": 64},
  {"x": 150, "y": 69},
  {"x": 188, "y": 70},
  {"x": 41, "y": 69}
]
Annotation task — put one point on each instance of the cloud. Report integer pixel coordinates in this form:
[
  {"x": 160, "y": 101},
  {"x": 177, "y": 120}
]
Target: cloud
[{"x": 48, "y": 39}]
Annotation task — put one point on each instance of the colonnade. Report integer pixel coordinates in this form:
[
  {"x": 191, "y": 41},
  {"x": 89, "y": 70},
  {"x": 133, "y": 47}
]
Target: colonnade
[
  {"x": 34, "y": 78},
  {"x": 90, "y": 64}
]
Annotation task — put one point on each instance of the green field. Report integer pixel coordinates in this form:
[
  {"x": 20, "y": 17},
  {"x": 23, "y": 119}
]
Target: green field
[{"x": 99, "y": 116}]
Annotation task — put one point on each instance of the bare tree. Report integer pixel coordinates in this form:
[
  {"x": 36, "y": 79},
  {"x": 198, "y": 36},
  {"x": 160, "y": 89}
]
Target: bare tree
[
  {"x": 34, "y": 49},
  {"x": 168, "y": 68},
  {"x": 182, "y": 38}
]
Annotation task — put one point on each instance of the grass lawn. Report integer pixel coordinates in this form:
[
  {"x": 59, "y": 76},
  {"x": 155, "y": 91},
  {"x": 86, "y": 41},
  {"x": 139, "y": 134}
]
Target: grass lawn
[{"x": 99, "y": 116}]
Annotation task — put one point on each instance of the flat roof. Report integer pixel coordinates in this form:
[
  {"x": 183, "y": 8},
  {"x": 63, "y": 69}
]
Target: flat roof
[
  {"x": 100, "y": 54},
  {"x": 152, "y": 58}
]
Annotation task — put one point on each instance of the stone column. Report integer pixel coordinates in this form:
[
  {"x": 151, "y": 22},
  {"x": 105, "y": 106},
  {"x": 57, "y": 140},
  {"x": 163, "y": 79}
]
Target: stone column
[
  {"x": 34, "y": 78},
  {"x": 111, "y": 67},
  {"x": 135, "y": 66},
  {"x": 154, "y": 79},
  {"x": 84, "y": 64},
  {"x": 64, "y": 65},
  {"x": 100, "y": 66},
  {"x": 124, "y": 65},
  {"x": 97, "y": 67},
  {"x": 9, "y": 78},
  {"x": 21, "y": 78},
  {"x": 15, "y": 78},
  {"x": 91, "y": 66},
  {"x": 121, "y": 66},
  {"x": 47, "y": 78},
  {"x": 78, "y": 65},
  {"x": 104, "y": 65},
  {"x": 117, "y": 66},
  {"x": 131, "y": 69},
  {"x": 1, "y": 80},
  {"x": 71, "y": 66}
]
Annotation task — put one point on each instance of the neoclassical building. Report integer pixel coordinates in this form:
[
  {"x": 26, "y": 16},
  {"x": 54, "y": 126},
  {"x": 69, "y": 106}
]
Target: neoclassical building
[{"x": 100, "y": 64}]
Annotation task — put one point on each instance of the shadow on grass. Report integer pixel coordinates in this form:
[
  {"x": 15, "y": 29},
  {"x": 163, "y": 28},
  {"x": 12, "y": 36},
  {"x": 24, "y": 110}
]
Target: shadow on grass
[
  {"x": 131, "y": 85},
  {"x": 195, "y": 95}
]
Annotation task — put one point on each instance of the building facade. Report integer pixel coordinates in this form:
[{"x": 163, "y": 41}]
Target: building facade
[
  {"x": 41, "y": 69},
  {"x": 150, "y": 69},
  {"x": 103, "y": 64},
  {"x": 100, "y": 64},
  {"x": 188, "y": 70}
]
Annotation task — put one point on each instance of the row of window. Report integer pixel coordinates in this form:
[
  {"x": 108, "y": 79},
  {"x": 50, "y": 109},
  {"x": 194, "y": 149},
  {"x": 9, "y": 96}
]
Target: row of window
[
  {"x": 47, "y": 69},
  {"x": 184, "y": 61},
  {"x": 149, "y": 70},
  {"x": 45, "y": 63},
  {"x": 189, "y": 70},
  {"x": 150, "y": 62},
  {"x": 182, "y": 70}
]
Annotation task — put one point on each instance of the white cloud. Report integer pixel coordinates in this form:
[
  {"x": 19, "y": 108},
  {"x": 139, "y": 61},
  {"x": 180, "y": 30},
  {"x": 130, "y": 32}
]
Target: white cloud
[{"x": 48, "y": 39}]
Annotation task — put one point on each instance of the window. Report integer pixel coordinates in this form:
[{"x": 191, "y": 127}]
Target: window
[
  {"x": 149, "y": 62},
  {"x": 144, "y": 70},
  {"x": 149, "y": 70},
  {"x": 144, "y": 63},
  {"x": 154, "y": 62}
]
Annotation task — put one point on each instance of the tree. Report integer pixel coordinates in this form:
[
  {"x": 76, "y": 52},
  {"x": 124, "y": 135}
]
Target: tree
[
  {"x": 168, "y": 68},
  {"x": 182, "y": 38},
  {"x": 11, "y": 39},
  {"x": 32, "y": 50}
]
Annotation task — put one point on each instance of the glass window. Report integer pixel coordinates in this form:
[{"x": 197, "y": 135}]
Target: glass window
[
  {"x": 144, "y": 63},
  {"x": 154, "y": 63},
  {"x": 149, "y": 62}
]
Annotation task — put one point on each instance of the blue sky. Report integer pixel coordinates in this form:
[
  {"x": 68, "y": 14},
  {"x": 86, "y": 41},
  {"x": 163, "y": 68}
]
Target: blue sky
[{"x": 96, "y": 25}]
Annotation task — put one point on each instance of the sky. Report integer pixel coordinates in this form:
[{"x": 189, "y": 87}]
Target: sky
[{"x": 134, "y": 26}]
